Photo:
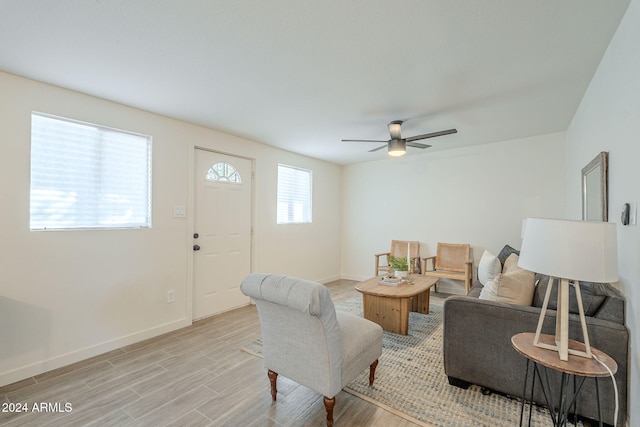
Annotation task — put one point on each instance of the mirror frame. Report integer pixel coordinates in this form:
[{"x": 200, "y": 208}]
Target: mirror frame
[{"x": 599, "y": 165}]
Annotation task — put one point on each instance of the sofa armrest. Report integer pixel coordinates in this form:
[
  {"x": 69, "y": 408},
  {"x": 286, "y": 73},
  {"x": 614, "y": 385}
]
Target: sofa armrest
[{"x": 612, "y": 309}]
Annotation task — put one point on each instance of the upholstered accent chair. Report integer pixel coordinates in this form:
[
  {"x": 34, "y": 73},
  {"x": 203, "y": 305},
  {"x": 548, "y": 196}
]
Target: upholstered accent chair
[{"x": 306, "y": 340}]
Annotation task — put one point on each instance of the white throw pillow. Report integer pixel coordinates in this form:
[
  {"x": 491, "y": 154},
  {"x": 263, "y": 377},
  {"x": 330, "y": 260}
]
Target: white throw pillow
[
  {"x": 489, "y": 267},
  {"x": 489, "y": 291}
]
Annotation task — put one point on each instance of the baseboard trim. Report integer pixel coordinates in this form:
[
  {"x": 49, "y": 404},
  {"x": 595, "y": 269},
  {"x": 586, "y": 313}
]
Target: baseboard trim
[
  {"x": 328, "y": 279},
  {"x": 451, "y": 287},
  {"x": 355, "y": 277},
  {"x": 56, "y": 362}
]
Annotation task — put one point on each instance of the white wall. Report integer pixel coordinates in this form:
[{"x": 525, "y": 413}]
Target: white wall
[
  {"x": 66, "y": 296},
  {"x": 608, "y": 119},
  {"x": 301, "y": 250},
  {"x": 477, "y": 195}
]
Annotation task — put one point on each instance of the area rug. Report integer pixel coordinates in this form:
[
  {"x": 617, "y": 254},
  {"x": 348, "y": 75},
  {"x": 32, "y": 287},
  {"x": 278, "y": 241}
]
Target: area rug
[{"x": 411, "y": 383}]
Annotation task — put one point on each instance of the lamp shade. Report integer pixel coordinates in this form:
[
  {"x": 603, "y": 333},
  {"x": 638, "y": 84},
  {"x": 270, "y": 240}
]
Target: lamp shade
[{"x": 574, "y": 250}]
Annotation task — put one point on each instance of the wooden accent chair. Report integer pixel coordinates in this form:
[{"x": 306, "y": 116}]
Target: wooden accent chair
[
  {"x": 307, "y": 341},
  {"x": 398, "y": 250},
  {"x": 453, "y": 261}
]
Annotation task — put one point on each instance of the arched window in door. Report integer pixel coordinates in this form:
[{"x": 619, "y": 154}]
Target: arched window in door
[{"x": 224, "y": 172}]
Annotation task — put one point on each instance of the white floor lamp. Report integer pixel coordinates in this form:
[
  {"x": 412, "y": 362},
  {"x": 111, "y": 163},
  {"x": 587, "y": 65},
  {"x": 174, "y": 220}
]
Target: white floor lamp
[{"x": 571, "y": 251}]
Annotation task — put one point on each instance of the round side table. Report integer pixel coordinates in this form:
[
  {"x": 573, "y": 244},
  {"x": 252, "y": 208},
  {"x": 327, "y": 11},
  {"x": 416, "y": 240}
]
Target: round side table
[{"x": 576, "y": 366}]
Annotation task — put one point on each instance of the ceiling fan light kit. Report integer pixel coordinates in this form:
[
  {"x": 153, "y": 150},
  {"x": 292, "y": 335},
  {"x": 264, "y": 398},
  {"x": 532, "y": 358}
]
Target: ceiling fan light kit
[{"x": 397, "y": 146}]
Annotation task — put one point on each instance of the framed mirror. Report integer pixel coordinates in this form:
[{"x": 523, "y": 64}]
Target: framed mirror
[{"x": 594, "y": 189}]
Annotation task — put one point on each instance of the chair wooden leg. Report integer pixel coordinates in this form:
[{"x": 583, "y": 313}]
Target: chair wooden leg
[
  {"x": 372, "y": 372},
  {"x": 329, "y": 404},
  {"x": 468, "y": 276},
  {"x": 273, "y": 376}
]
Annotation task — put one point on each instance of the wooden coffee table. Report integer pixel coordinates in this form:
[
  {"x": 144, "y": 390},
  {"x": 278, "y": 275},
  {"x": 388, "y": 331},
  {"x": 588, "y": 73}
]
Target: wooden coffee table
[{"x": 389, "y": 306}]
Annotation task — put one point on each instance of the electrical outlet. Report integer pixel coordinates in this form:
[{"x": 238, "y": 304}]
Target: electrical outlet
[{"x": 171, "y": 296}]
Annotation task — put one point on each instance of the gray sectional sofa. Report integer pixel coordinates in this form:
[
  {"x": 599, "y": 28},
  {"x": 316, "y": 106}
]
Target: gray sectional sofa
[{"x": 477, "y": 343}]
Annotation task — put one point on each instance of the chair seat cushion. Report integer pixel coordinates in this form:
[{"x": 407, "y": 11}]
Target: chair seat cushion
[{"x": 361, "y": 344}]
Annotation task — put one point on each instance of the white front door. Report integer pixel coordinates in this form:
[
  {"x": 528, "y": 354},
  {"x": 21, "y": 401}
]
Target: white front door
[{"x": 222, "y": 248}]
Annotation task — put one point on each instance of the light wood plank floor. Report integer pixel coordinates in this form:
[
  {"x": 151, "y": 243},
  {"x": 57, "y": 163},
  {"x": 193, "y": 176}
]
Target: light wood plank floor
[{"x": 196, "y": 376}]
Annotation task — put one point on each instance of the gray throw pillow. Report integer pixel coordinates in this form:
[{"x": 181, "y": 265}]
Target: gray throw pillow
[{"x": 505, "y": 252}]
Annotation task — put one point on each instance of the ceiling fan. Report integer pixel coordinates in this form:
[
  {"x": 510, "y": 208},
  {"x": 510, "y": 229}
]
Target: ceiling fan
[{"x": 397, "y": 146}]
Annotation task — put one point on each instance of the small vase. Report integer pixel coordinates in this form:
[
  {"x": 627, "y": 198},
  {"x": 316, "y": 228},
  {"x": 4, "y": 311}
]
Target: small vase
[{"x": 401, "y": 274}]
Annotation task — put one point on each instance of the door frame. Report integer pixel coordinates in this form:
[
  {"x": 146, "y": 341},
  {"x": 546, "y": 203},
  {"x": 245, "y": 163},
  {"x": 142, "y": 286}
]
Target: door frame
[{"x": 191, "y": 202}]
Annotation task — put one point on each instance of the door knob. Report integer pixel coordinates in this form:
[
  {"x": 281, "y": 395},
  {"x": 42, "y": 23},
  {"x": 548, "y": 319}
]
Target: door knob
[{"x": 196, "y": 247}]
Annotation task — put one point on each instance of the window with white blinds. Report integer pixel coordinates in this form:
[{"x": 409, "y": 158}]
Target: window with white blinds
[
  {"x": 85, "y": 176},
  {"x": 294, "y": 195}
]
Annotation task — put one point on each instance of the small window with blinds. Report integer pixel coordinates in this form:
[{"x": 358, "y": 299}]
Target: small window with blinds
[
  {"x": 294, "y": 195},
  {"x": 85, "y": 176}
]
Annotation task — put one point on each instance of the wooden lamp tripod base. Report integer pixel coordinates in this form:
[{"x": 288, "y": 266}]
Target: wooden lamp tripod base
[{"x": 562, "y": 322}]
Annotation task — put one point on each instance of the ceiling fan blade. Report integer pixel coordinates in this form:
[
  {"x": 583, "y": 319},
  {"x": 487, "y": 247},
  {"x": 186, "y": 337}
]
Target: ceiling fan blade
[
  {"x": 362, "y": 140},
  {"x": 417, "y": 145},
  {"x": 379, "y": 148},
  {"x": 431, "y": 135}
]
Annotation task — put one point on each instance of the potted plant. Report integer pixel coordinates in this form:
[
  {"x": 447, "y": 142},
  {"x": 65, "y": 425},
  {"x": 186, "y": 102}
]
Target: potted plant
[{"x": 399, "y": 265}]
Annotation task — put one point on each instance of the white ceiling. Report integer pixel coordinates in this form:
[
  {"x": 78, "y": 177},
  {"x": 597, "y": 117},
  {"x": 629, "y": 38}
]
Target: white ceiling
[{"x": 304, "y": 74}]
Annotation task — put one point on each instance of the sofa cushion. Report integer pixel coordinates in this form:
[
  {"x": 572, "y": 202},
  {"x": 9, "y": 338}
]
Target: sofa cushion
[
  {"x": 505, "y": 252},
  {"x": 593, "y": 295},
  {"x": 488, "y": 267},
  {"x": 516, "y": 287}
]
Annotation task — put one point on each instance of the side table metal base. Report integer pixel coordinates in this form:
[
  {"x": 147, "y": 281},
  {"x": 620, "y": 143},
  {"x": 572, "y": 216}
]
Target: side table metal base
[{"x": 559, "y": 414}]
